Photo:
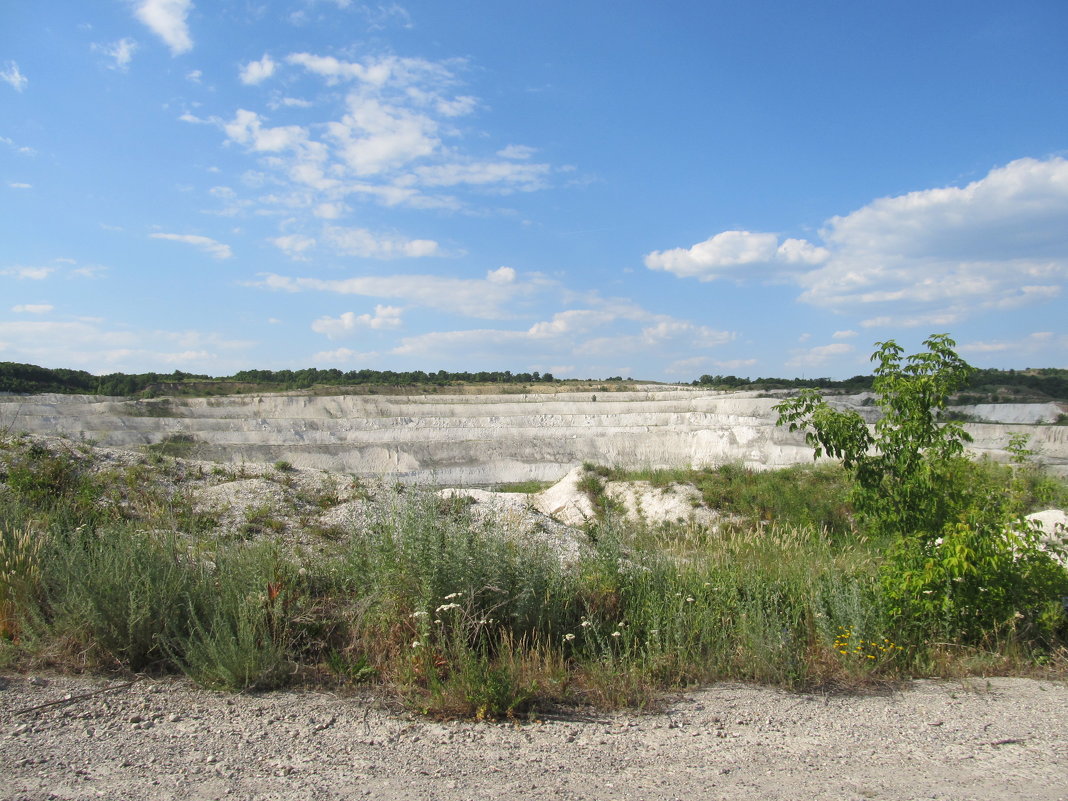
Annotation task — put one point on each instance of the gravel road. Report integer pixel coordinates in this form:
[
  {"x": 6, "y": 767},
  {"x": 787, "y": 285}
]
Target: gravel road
[{"x": 980, "y": 739}]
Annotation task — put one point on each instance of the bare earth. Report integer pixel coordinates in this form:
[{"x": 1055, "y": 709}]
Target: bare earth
[{"x": 979, "y": 739}]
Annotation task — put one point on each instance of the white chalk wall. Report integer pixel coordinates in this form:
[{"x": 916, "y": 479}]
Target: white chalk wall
[{"x": 477, "y": 439}]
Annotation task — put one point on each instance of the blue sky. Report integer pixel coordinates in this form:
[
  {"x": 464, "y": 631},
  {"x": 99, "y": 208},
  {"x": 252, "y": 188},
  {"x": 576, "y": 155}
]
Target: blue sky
[{"x": 657, "y": 190}]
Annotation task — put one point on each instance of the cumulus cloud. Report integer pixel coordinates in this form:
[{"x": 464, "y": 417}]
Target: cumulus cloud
[
  {"x": 933, "y": 256},
  {"x": 385, "y": 317},
  {"x": 727, "y": 252},
  {"x": 120, "y": 52},
  {"x": 999, "y": 242},
  {"x": 843, "y": 334},
  {"x": 213, "y": 248},
  {"x": 255, "y": 72},
  {"x": 32, "y": 308},
  {"x": 247, "y": 128},
  {"x": 168, "y": 20},
  {"x": 389, "y": 136},
  {"x": 502, "y": 275},
  {"x": 11, "y": 75}
]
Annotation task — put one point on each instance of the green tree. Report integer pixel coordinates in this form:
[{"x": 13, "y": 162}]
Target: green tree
[
  {"x": 903, "y": 469},
  {"x": 961, "y": 562}
]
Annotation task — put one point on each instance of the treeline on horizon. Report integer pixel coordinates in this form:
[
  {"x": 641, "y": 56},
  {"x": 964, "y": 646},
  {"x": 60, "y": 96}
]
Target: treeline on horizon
[
  {"x": 985, "y": 385},
  {"x": 29, "y": 378}
]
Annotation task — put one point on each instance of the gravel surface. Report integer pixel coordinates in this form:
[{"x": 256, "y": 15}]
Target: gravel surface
[{"x": 979, "y": 739}]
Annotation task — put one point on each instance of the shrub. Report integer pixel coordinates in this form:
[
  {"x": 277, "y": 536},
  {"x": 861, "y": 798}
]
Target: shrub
[{"x": 961, "y": 563}]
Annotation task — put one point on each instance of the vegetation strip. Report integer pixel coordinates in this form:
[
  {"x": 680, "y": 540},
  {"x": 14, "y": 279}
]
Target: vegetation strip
[{"x": 908, "y": 560}]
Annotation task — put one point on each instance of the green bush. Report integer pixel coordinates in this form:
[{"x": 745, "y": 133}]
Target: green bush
[{"x": 961, "y": 563}]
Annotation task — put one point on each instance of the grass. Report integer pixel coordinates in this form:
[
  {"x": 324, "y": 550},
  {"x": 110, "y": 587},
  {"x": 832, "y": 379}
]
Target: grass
[{"x": 450, "y": 611}]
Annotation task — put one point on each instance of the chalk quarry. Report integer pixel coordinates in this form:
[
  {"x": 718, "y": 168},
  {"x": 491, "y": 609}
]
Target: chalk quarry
[{"x": 481, "y": 440}]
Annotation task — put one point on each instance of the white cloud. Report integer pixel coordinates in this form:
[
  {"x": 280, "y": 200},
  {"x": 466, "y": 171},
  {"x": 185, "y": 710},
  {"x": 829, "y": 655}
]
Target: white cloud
[
  {"x": 502, "y": 275},
  {"x": 843, "y": 334},
  {"x": 17, "y": 185},
  {"x": 294, "y": 245},
  {"x": 194, "y": 75},
  {"x": 32, "y": 308},
  {"x": 121, "y": 52},
  {"x": 375, "y": 136},
  {"x": 477, "y": 298},
  {"x": 734, "y": 364},
  {"x": 930, "y": 257},
  {"x": 255, "y": 72},
  {"x": 342, "y": 356},
  {"x": 29, "y": 273},
  {"x": 91, "y": 344},
  {"x": 526, "y": 177},
  {"x": 21, "y": 149},
  {"x": 385, "y": 317},
  {"x": 329, "y": 211},
  {"x": 11, "y": 75},
  {"x": 726, "y": 252},
  {"x": 380, "y": 71},
  {"x": 1045, "y": 344},
  {"x": 361, "y": 242},
  {"x": 621, "y": 328},
  {"x": 167, "y": 19},
  {"x": 247, "y": 129},
  {"x": 392, "y": 141},
  {"x": 290, "y": 102},
  {"x": 521, "y": 152},
  {"x": 944, "y": 254},
  {"x": 213, "y": 248},
  {"x": 819, "y": 356}
]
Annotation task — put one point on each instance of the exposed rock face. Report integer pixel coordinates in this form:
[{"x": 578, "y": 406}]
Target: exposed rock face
[{"x": 472, "y": 439}]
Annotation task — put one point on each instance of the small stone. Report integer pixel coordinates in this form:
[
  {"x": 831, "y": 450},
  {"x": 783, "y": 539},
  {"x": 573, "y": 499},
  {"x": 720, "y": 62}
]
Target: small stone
[{"x": 37, "y": 681}]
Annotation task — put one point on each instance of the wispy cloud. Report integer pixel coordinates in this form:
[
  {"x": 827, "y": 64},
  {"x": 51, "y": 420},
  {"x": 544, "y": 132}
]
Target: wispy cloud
[
  {"x": 29, "y": 273},
  {"x": 32, "y": 308},
  {"x": 20, "y": 149},
  {"x": 168, "y": 20},
  {"x": 471, "y": 297},
  {"x": 11, "y": 75},
  {"x": 210, "y": 246},
  {"x": 819, "y": 355},
  {"x": 361, "y": 242},
  {"x": 19, "y": 185},
  {"x": 120, "y": 52},
  {"x": 93, "y": 343}
]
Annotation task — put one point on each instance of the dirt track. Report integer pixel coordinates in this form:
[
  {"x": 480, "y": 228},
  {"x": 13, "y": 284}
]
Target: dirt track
[{"x": 1002, "y": 739}]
